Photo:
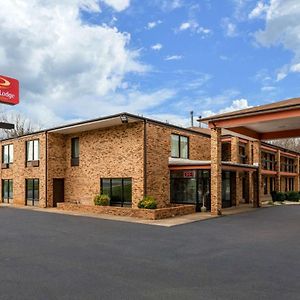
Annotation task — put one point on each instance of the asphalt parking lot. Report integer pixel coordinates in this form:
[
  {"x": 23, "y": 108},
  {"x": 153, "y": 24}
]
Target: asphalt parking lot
[{"x": 254, "y": 255}]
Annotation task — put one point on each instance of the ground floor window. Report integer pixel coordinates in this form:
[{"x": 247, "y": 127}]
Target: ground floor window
[
  {"x": 266, "y": 185},
  {"x": 190, "y": 187},
  {"x": 226, "y": 189},
  {"x": 7, "y": 191},
  {"x": 32, "y": 192},
  {"x": 290, "y": 184},
  {"x": 118, "y": 189},
  {"x": 272, "y": 184}
]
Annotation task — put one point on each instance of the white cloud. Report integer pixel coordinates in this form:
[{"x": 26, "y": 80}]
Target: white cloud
[
  {"x": 157, "y": 47},
  {"x": 268, "y": 88},
  {"x": 168, "y": 5},
  {"x": 153, "y": 24},
  {"x": 118, "y": 5},
  {"x": 184, "y": 26},
  {"x": 229, "y": 28},
  {"x": 295, "y": 68},
  {"x": 235, "y": 105},
  {"x": 259, "y": 11},
  {"x": 194, "y": 27},
  {"x": 174, "y": 57},
  {"x": 64, "y": 66},
  {"x": 282, "y": 28}
]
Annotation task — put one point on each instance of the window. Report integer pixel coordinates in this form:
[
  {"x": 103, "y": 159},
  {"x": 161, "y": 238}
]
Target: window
[
  {"x": 179, "y": 146},
  {"x": 242, "y": 154},
  {"x": 7, "y": 191},
  {"x": 32, "y": 192},
  {"x": 266, "y": 185},
  {"x": 32, "y": 152},
  {"x": 7, "y": 154},
  {"x": 190, "y": 187},
  {"x": 272, "y": 184},
  {"x": 268, "y": 161},
  {"x": 118, "y": 189},
  {"x": 75, "y": 151}
]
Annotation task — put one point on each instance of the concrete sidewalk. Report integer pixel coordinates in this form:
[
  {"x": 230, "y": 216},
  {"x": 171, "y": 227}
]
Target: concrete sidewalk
[{"x": 170, "y": 222}]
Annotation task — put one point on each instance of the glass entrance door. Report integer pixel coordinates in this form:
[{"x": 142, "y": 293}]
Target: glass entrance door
[
  {"x": 203, "y": 189},
  {"x": 226, "y": 189}
]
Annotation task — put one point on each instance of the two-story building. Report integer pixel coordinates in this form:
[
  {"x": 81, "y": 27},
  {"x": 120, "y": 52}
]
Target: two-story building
[{"x": 128, "y": 156}]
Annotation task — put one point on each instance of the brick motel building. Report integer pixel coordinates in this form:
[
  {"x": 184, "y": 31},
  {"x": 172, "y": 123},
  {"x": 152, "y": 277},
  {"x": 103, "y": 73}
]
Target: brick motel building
[{"x": 129, "y": 156}]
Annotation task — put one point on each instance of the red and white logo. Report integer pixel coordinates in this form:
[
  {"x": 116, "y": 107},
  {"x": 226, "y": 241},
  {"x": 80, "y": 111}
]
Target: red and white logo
[{"x": 9, "y": 90}]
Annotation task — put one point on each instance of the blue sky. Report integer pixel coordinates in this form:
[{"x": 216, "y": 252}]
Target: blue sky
[{"x": 159, "y": 58}]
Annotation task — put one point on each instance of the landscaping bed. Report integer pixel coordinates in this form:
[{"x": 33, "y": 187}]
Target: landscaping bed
[{"x": 148, "y": 214}]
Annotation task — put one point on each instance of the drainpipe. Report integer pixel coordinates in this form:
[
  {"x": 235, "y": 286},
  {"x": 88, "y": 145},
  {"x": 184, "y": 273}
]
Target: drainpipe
[
  {"x": 145, "y": 158},
  {"x": 46, "y": 170}
]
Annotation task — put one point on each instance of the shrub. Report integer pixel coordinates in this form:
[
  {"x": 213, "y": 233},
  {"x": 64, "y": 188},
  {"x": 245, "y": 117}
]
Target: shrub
[
  {"x": 148, "y": 202},
  {"x": 102, "y": 200},
  {"x": 293, "y": 196},
  {"x": 280, "y": 196}
]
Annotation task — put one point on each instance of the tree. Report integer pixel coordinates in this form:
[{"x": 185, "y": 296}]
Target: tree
[
  {"x": 290, "y": 143},
  {"x": 22, "y": 125}
]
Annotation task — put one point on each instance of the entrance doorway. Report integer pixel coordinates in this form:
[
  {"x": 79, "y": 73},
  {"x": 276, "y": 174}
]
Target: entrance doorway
[
  {"x": 226, "y": 188},
  {"x": 58, "y": 191}
]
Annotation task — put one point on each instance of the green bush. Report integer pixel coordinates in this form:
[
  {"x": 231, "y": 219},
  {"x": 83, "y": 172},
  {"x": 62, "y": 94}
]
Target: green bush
[
  {"x": 102, "y": 200},
  {"x": 280, "y": 196},
  {"x": 148, "y": 202},
  {"x": 293, "y": 196}
]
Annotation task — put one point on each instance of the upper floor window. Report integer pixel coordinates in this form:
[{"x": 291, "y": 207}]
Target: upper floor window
[
  {"x": 242, "y": 154},
  {"x": 179, "y": 146},
  {"x": 7, "y": 154},
  {"x": 32, "y": 150},
  {"x": 268, "y": 161},
  {"x": 75, "y": 151}
]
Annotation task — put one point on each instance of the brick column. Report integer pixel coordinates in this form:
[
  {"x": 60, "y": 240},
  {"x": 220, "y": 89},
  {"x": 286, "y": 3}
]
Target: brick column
[
  {"x": 249, "y": 177},
  {"x": 216, "y": 172},
  {"x": 278, "y": 179},
  {"x": 235, "y": 149},
  {"x": 258, "y": 177}
]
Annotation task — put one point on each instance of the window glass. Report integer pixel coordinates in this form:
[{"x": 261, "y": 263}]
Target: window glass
[
  {"x": 106, "y": 186},
  {"x": 29, "y": 189},
  {"x": 11, "y": 153},
  {"x": 11, "y": 189},
  {"x": 5, "y": 189},
  {"x": 36, "y": 150},
  {"x": 29, "y": 150},
  {"x": 174, "y": 145},
  {"x": 116, "y": 190},
  {"x": 183, "y": 190},
  {"x": 127, "y": 187},
  {"x": 183, "y": 147},
  {"x": 5, "y": 154},
  {"x": 36, "y": 190},
  {"x": 75, "y": 147}
]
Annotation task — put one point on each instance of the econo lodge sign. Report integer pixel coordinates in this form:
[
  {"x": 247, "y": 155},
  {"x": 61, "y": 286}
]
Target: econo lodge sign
[{"x": 9, "y": 90}]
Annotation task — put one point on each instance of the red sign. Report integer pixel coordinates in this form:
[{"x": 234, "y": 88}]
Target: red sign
[
  {"x": 188, "y": 174},
  {"x": 9, "y": 90}
]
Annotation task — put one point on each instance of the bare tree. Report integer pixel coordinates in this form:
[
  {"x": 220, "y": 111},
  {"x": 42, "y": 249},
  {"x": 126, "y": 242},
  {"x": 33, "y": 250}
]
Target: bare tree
[
  {"x": 22, "y": 125},
  {"x": 290, "y": 143}
]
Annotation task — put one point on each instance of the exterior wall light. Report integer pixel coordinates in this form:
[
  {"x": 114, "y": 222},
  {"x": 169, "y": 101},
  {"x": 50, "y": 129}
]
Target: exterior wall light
[{"x": 124, "y": 119}]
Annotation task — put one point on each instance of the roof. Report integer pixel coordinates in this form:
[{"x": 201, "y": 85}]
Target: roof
[
  {"x": 107, "y": 121},
  {"x": 271, "y": 107}
]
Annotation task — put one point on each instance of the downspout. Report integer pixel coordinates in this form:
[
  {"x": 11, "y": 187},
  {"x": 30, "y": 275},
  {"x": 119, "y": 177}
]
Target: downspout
[
  {"x": 46, "y": 170},
  {"x": 145, "y": 158}
]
